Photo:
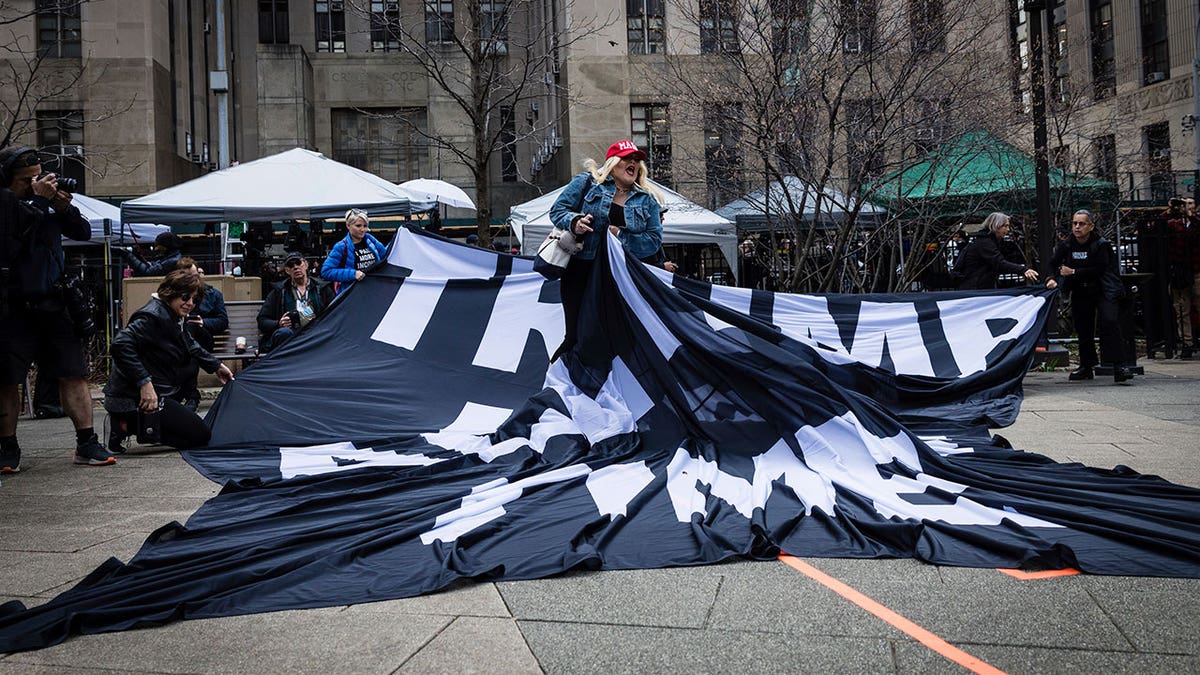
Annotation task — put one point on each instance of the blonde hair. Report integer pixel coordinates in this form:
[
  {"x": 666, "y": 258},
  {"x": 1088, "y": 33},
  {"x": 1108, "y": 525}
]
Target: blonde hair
[
  {"x": 355, "y": 214},
  {"x": 600, "y": 174}
]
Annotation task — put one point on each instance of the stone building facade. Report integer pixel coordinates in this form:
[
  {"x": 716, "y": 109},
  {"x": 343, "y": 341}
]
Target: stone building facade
[{"x": 141, "y": 109}]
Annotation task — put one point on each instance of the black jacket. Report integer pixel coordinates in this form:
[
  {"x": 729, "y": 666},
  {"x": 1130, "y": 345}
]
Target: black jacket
[
  {"x": 981, "y": 262},
  {"x": 1095, "y": 266},
  {"x": 151, "y": 268},
  {"x": 153, "y": 347},
  {"x": 281, "y": 300},
  {"x": 31, "y": 243}
]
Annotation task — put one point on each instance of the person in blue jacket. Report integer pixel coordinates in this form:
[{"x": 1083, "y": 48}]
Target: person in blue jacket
[
  {"x": 353, "y": 256},
  {"x": 616, "y": 196}
]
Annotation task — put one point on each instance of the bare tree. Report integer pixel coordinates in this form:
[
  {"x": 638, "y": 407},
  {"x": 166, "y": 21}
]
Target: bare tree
[
  {"x": 35, "y": 79},
  {"x": 493, "y": 61},
  {"x": 837, "y": 93}
]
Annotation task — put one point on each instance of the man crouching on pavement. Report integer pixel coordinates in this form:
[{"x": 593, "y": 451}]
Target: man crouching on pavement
[{"x": 35, "y": 302}]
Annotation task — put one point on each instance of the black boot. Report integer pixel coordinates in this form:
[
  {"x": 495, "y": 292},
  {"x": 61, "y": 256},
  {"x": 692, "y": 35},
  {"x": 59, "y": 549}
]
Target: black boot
[
  {"x": 1121, "y": 373},
  {"x": 1081, "y": 373}
]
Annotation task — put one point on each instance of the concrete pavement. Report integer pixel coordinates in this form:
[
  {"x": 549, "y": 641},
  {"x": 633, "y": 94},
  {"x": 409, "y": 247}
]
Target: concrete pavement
[{"x": 61, "y": 521}]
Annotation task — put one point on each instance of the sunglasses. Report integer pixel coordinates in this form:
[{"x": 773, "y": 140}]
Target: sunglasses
[
  {"x": 293, "y": 263},
  {"x": 187, "y": 297}
]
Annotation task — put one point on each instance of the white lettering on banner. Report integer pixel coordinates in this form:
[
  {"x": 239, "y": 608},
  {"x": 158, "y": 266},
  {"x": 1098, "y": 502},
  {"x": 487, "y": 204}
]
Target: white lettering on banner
[
  {"x": 896, "y": 324},
  {"x": 515, "y": 314},
  {"x": 315, "y": 460},
  {"x": 806, "y": 318},
  {"x": 410, "y": 312},
  {"x": 780, "y": 462},
  {"x": 486, "y": 502},
  {"x": 613, "y": 487},
  {"x": 965, "y": 323},
  {"x": 839, "y": 452}
]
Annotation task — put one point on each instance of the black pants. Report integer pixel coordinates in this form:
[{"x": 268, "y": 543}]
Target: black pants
[
  {"x": 181, "y": 428},
  {"x": 1092, "y": 313},
  {"x": 204, "y": 339},
  {"x": 571, "y": 288}
]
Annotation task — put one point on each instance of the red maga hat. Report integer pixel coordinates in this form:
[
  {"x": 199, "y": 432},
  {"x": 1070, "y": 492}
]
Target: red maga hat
[{"x": 624, "y": 149}]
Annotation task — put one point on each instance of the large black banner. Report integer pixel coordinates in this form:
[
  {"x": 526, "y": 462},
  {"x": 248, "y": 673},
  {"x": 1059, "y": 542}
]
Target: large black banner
[{"x": 416, "y": 436}]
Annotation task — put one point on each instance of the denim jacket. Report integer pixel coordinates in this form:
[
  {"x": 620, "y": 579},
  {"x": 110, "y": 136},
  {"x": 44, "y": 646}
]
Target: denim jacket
[{"x": 642, "y": 234}]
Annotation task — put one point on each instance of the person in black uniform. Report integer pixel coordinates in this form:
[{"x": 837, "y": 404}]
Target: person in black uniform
[
  {"x": 981, "y": 261},
  {"x": 1086, "y": 266}
]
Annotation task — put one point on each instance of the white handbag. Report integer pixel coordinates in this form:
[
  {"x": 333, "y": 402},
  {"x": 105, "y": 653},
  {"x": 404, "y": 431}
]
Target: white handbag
[{"x": 555, "y": 253}]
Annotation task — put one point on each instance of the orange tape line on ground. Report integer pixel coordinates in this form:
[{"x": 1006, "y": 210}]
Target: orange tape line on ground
[
  {"x": 1045, "y": 574},
  {"x": 937, "y": 644}
]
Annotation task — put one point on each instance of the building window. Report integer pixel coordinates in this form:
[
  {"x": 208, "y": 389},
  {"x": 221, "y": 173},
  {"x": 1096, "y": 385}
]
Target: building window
[
  {"x": 650, "y": 130},
  {"x": 1104, "y": 68},
  {"x": 864, "y": 153},
  {"x": 722, "y": 154},
  {"x": 331, "y": 27},
  {"x": 60, "y": 141},
  {"x": 1156, "y": 59},
  {"x": 493, "y": 27},
  {"x": 645, "y": 26},
  {"x": 508, "y": 144},
  {"x": 930, "y": 126},
  {"x": 1057, "y": 53},
  {"x": 1018, "y": 52},
  {"x": 272, "y": 22},
  {"x": 927, "y": 22},
  {"x": 1158, "y": 161},
  {"x": 718, "y": 27},
  {"x": 1106, "y": 157},
  {"x": 858, "y": 26},
  {"x": 789, "y": 27},
  {"x": 387, "y": 142},
  {"x": 439, "y": 22},
  {"x": 385, "y": 26},
  {"x": 58, "y": 29}
]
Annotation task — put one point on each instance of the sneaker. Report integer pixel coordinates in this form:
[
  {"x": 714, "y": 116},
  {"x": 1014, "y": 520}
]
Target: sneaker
[
  {"x": 91, "y": 453},
  {"x": 10, "y": 460}
]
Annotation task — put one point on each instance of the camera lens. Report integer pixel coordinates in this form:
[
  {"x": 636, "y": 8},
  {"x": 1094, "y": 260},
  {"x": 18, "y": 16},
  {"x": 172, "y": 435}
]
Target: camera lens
[{"x": 67, "y": 184}]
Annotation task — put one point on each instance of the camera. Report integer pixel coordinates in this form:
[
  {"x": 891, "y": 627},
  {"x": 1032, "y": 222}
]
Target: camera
[
  {"x": 1175, "y": 203},
  {"x": 65, "y": 184},
  {"x": 295, "y": 316},
  {"x": 79, "y": 306}
]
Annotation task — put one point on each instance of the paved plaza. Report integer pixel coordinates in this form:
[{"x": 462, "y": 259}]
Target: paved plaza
[{"x": 60, "y": 521}]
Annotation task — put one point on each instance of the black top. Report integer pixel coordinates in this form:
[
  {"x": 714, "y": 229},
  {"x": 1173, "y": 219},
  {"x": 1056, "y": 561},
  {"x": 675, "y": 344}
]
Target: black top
[
  {"x": 616, "y": 215},
  {"x": 980, "y": 263}
]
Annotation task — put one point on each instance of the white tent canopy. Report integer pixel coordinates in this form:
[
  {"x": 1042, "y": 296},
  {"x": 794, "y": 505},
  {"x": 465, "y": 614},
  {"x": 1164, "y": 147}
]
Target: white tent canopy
[
  {"x": 759, "y": 209},
  {"x": 684, "y": 222},
  {"x": 298, "y": 183},
  {"x": 96, "y": 212}
]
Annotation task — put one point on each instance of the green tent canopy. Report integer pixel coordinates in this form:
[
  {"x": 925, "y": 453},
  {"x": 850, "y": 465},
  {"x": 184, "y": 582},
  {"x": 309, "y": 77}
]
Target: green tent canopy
[{"x": 978, "y": 172}]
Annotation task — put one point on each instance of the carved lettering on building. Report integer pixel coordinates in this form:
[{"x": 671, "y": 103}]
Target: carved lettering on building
[
  {"x": 1155, "y": 96},
  {"x": 376, "y": 83}
]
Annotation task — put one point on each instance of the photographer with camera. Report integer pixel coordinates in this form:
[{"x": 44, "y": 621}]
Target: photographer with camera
[
  {"x": 292, "y": 303},
  {"x": 166, "y": 245},
  {"x": 45, "y": 315}
]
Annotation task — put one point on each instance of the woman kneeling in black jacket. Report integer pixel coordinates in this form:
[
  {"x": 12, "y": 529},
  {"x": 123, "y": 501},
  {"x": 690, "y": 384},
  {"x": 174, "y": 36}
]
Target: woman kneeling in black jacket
[{"x": 150, "y": 367}]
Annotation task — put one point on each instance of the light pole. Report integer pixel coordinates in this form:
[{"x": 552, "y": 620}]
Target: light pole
[{"x": 1054, "y": 354}]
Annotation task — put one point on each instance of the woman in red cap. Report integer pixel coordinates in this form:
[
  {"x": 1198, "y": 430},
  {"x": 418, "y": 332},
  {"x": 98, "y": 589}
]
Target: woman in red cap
[{"x": 618, "y": 196}]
